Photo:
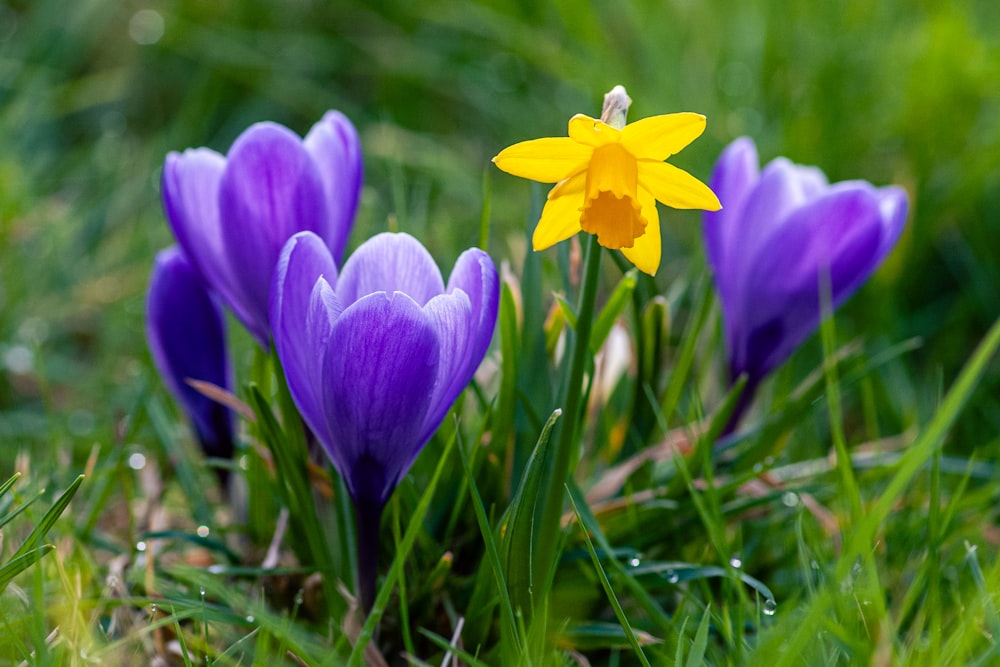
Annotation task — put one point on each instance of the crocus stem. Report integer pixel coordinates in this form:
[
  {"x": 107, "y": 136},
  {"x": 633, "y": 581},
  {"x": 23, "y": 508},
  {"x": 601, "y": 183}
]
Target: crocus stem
[
  {"x": 368, "y": 516},
  {"x": 746, "y": 398},
  {"x": 571, "y": 396}
]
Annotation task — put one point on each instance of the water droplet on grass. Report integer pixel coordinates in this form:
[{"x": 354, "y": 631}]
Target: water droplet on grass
[
  {"x": 736, "y": 562},
  {"x": 137, "y": 461},
  {"x": 770, "y": 606},
  {"x": 671, "y": 576}
]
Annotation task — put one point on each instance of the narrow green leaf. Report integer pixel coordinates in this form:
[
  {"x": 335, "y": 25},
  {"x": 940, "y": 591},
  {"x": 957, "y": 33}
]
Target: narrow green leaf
[
  {"x": 612, "y": 310},
  {"x": 7, "y": 518},
  {"x": 989, "y": 609},
  {"x": 19, "y": 564},
  {"x": 919, "y": 452},
  {"x": 288, "y": 451},
  {"x": 519, "y": 524},
  {"x": 567, "y": 310},
  {"x": 638, "y": 591},
  {"x": 696, "y": 657},
  {"x": 445, "y": 645},
  {"x": 492, "y": 553},
  {"x": 608, "y": 590},
  {"x": 685, "y": 359},
  {"x": 49, "y": 519},
  {"x": 503, "y": 414},
  {"x": 6, "y": 486},
  {"x": 592, "y": 635}
]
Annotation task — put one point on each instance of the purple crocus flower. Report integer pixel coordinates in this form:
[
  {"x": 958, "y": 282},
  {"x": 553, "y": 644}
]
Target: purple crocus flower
[
  {"x": 374, "y": 357},
  {"x": 186, "y": 335},
  {"x": 233, "y": 214},
  {"x": 781, "y": 231}
]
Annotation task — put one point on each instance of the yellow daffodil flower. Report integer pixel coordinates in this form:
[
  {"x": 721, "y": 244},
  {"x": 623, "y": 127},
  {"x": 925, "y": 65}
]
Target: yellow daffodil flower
[{"x": 608, "y": 179}]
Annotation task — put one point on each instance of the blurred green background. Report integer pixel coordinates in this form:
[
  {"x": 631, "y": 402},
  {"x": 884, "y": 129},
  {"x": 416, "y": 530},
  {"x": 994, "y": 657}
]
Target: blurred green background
[{"x": 94, "y": 93}]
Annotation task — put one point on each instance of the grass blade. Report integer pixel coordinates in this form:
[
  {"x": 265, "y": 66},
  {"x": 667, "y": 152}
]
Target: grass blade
[
  {"x": 58, "y": 507},
  {"x": 608, "y": 590}
]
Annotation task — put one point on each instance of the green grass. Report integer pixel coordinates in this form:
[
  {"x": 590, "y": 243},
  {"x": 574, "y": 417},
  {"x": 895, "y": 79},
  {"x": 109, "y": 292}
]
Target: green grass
[{"x": 854, "y": 520}]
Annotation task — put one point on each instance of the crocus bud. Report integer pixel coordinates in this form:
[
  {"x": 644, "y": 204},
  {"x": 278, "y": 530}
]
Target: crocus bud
[
  {"x": 186, "y": 335},
  {"x": 784, "y": 235},
  {"x": 232, "y": 214}
]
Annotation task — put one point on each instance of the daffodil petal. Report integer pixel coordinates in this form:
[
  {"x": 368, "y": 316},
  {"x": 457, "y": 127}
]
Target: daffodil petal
[
  {"x": 659, "y": 137},
  {"x": 575, "y": 184},
  {"x": 675, "y": 187},
  {"x": 645, "y": 253},
  {"x": 560, "y": 220},
  {"x": 592, "y": 132},
  {"x": 546, "y": 160}
]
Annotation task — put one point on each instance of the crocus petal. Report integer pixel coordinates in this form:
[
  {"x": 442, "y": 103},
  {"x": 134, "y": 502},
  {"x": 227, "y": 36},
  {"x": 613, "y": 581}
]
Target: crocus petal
[
  {"x": 894, "y": 206},
  {"x": 270, "y": 189},
  {"x": 546, "y": 160},
  {"x": 560, "y": 220},
  {"x": 464, "y": 319},
  {"x": 782, "y": 188},
  {"x": 834, "y": 238},
  {"x": 659, "y": 137},
  {"x": 675, "y": 187},
  {"x": 301, "y": 311},
  {"x": 334, "y": 145},
  {"x": 186, "y": 335},
  {"x": 378, "y": 382},
  {"x": 190, "y": 186},
  {"x": 734, "y": 176},
  {"x": 645, "y": 253},
  {"x": 476, "y": 275},
  {"x": 390, "y": 263},
  {"x": 451, "y": 315}
]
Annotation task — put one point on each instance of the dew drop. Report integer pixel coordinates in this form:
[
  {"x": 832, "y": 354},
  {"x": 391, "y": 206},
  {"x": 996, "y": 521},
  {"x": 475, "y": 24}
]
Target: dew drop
[
  {"x": 137, "y": 461},
  {"x": 736, "y": 562},
  {"x": 216, "y": 568},
  {"x": 140, "y": 546},
  {"x": 634, "y": 562},
  {"x": 250, "y": 618},
  {"x": 299, "y": 597},
  {"x": 770, "y": 606},
  {"x": 203, "y": 531},
  {"x": 152, "y": 610},
  {"x": 758, "y": 468},
  {"x": 202, "y": 592},
  {"x": 789, "y": 499},
  {"x": 672, "y": 577}
]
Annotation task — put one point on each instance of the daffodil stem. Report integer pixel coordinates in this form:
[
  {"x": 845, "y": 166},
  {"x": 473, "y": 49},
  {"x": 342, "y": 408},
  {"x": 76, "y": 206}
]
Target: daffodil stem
[
  {"x": 368, "y": 515},
  {"x": 571, "y": 400}
]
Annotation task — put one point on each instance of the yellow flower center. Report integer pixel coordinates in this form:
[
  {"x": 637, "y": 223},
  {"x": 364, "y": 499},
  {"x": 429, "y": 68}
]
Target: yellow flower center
[{"x": 611, "y": 208}]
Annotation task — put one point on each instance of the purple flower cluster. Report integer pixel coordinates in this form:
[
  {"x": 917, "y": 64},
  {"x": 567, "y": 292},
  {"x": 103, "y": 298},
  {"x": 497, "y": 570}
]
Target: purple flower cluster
[{"x": 374, "y": 354}]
